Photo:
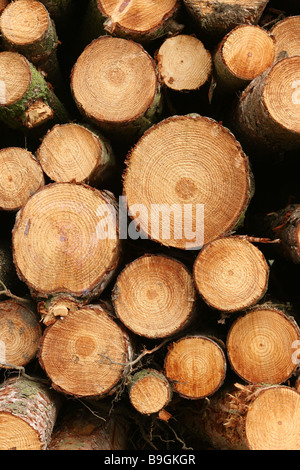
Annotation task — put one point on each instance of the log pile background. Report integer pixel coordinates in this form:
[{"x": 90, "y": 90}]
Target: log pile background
[{"x": 135, "y": 343}]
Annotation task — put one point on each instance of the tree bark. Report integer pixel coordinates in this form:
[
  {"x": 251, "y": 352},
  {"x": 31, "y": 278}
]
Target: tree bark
[
  {"x": 231, "y": 274},
  {"x": 195, "y": 366},
  {"x": 20, "y": 177},
  {"x": 284, "y": 225},
  {"x": 59, "y": 216},
  {"x": 76, "y": 153},
  {"x": 261, "y": 342},
  {"x": 96, "y": 428},
  {"x": 38, "y": 42},
  {"x": 149, "y": 391},
  {"x": 215, "y": 18},
  {"x": 247, "y": 417},
  {"x": 186, "y": 164},
  {"x": 243, "y": 54},
  {"x": 28, "y": 412},
  {"x": 58, "y": 9},
  {"x": 287, "y": 37},
  {"x": 266, "y": 117},
  {"x": 124, "y": 99},
  {"x": 20, "y": 333},
  {"x": 138, "y": 20},
  {"x": 87, "y": 343},
  {"x": 3, "y": 5},
  {"x": 8, "y": 275},
  {"x": 26, "y": 100},
  {"x": 154, "y": 296}
]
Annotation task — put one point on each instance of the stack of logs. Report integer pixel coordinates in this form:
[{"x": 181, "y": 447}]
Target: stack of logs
[{"x": 150, "y": 224}]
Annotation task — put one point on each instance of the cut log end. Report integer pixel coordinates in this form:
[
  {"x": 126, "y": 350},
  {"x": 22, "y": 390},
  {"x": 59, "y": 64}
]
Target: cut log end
[
  {"x": 28, "y": 411},
  {"x": 24, "y": 22},
  {"x": 187, "y": 165},
  {"x": 273, "y": 418},
  {"x": 15, "y": 77},
  {"x": 183, "y": 63},
  {"x": 87, "y": 343},
  {"x": 231, "y": 274},
  {"x": 58, "y": 216},
  {"x": 136, "y": 16},
  {"x": 149, "y": 391},
  {"x": 195, "y": 366},
  {"x": 114, "y": 81},
  {"x": 266, "y": 117},
  {"x": 283, "y": 83},
  {"x": 20, "y": 177},
  {"x": 20, "y": 333},
  {"x": 243, "y": 54},
  {"x": 16, "y": 434},
  {"x": 260, "y": 346},
  {"x": 287, "y": 37},
  {"x": 72, "y": 152},
  {"x": 154, "y": 296}
]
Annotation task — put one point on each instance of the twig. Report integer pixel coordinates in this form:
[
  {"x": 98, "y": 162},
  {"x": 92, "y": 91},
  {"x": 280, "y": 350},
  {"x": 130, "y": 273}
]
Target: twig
[
  {"x": 8, "y": 293},
  {"x": 21, "y": 369},
  {"x": 90, "y": 409},
  {"x": 258, "y": 239},
  {"x": 138, "y": 358}
]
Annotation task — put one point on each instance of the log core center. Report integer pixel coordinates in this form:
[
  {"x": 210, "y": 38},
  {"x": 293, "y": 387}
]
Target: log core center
[
  {"x": 185, "y": 188},
  {"x": 84, "y": 346},
  {"x": 116, "y": 75},
  {"x": 151, "y": 294}
]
